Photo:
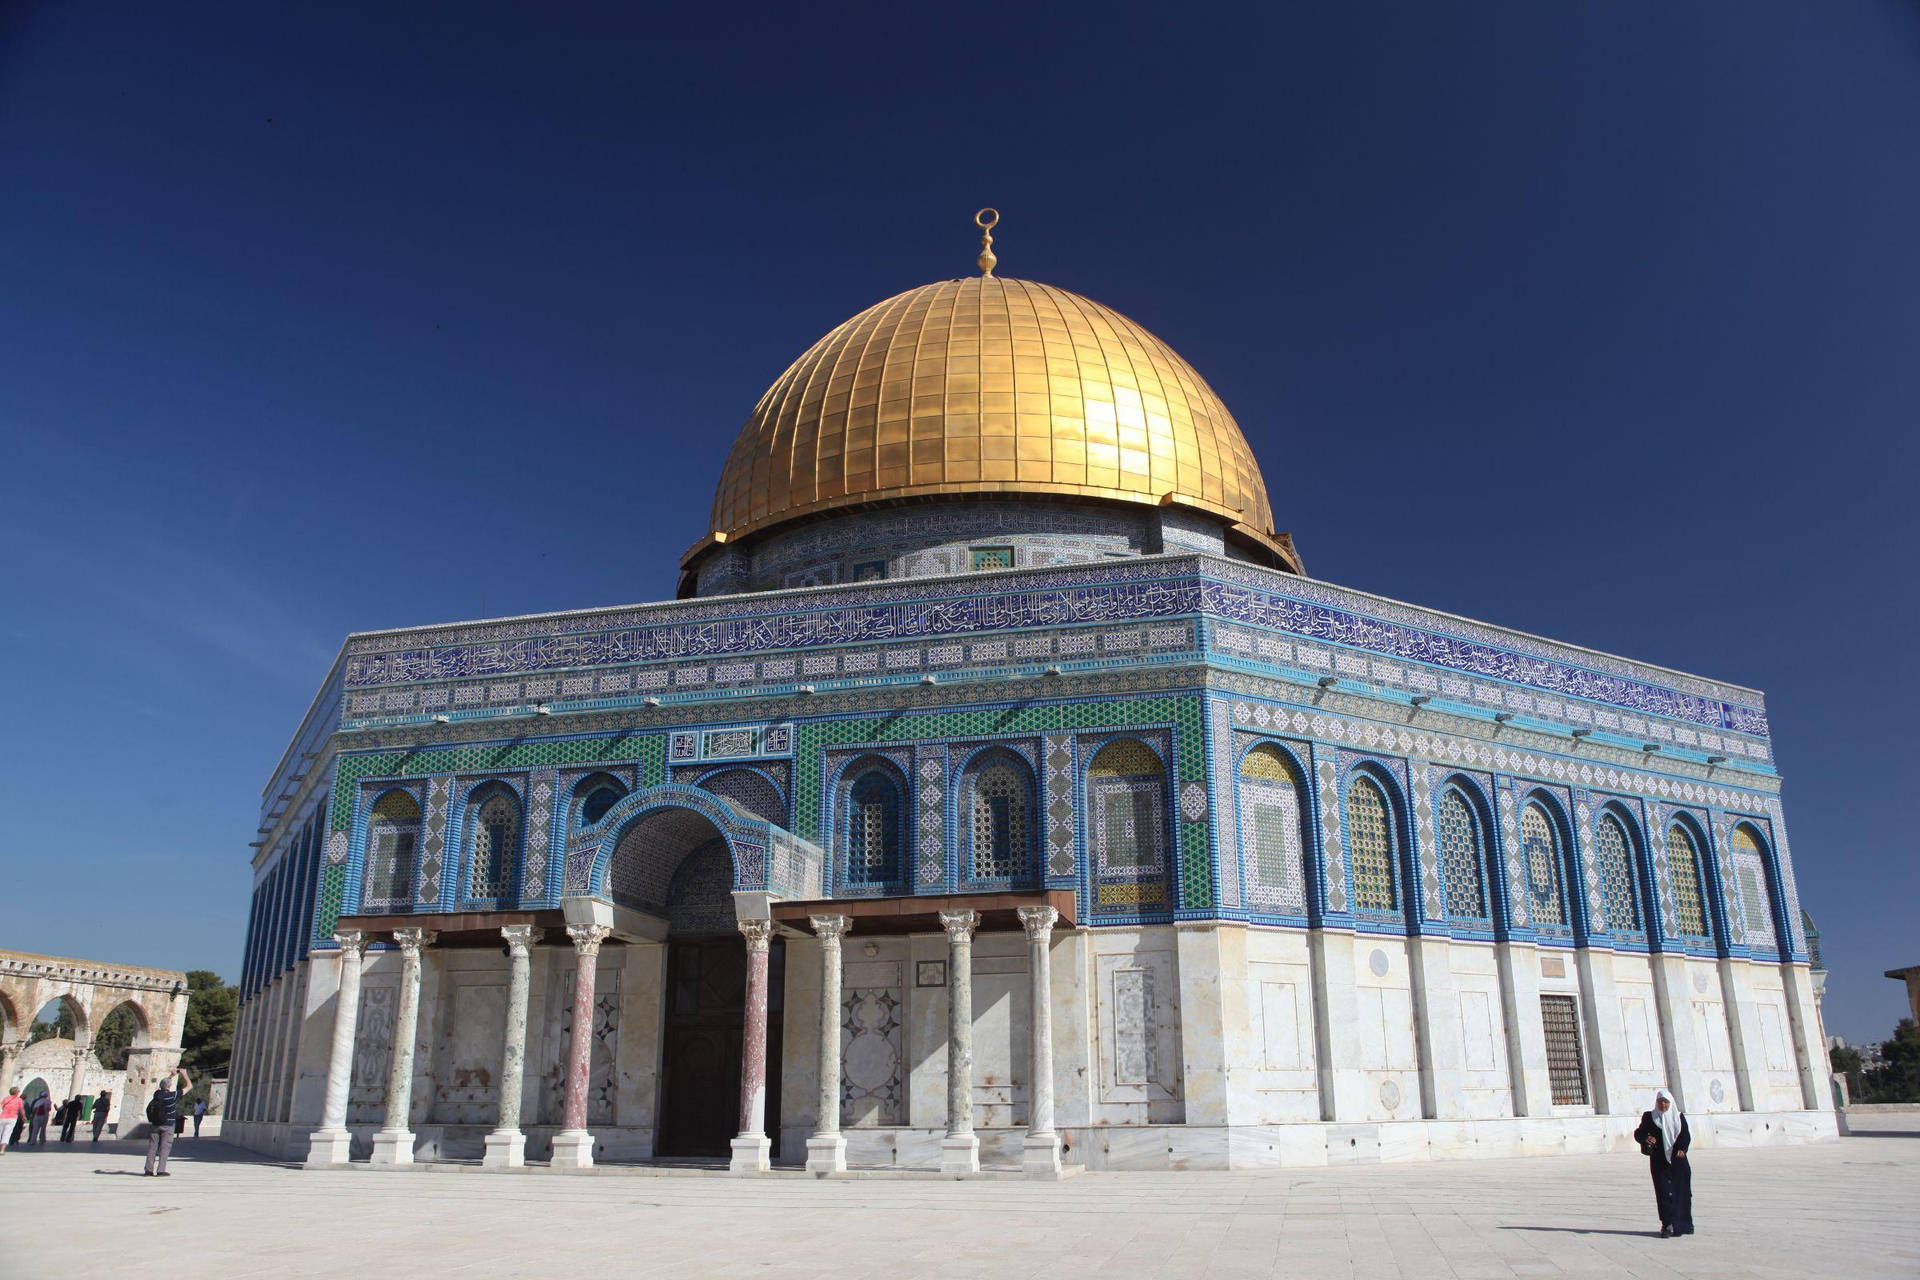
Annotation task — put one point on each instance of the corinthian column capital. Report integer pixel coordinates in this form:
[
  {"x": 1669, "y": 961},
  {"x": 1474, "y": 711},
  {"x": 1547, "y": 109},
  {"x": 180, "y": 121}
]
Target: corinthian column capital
[
  {"x": 959, "y": 924},
  {"x": 1038, "y": 922},
  {"x": 353, "y": 940},
  {"x": 830, "y": 928},
  {"x": 519, "y": 939},
  {"x": 759, "y": 933},
  {"x": 588, "y": 937},
  {"x": 413, "y": 940}
]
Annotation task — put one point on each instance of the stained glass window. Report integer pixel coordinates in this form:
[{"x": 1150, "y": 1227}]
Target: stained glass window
[
  {"x": 1614, "y": 853},
  {"x": 391, "y": 835},
  {"x": 873, "y": 829},
  {"x": 1000, "y": 808},
  {"x": 493, "y": 847},
  {"x": 1543, "y": 865},
  {"x": 1750, "y": 872},
  {"x": 1683, "y": 865},
  {"x": 1370, "y": 836},
  {"x": 1458, "y": 831},
  {"x": 1270, "y": 837}
]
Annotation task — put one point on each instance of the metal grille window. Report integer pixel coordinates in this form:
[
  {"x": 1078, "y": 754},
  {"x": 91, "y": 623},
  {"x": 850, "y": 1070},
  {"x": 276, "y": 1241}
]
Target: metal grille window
[
  {"x": 999, "y": 807},
  {"x": 1566, "y": 1073},
  {"x": 1459, "y": 833},
  {"x": 391, "y": 835},
  {"x": 1614, "y": 853},
  {"x": 493, "y": 847},
  {"x": 1370, "y": 835},
  {"x": 873, "y": 829},
  {"x": 1683, "y": 867},
  {"x": 1750, "y": 872},
  {"x": 1543, "y": 866}
]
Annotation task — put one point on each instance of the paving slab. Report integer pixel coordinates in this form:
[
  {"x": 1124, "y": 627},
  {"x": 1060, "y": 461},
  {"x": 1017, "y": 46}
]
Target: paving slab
[{"x": 1839, "y": 1208}]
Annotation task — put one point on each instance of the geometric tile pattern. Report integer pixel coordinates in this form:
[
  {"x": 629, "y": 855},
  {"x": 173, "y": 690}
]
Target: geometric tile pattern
[
  {"x": 1433, "y": 907},
  {"x": 434, "y": 844},
  {"x": 1326, "y": 766},
  {"x": 1057, "y": 752},
  {"x": 1613, "y": 850},
  {"x": 1542, "y": 848},
  {"x": 1683, "y": 873},
  {"x": 1517, "y": 894},
  {"x": 1226, "y": 824},
  {"x": 932, "y": 797},
  {"x": 542, "y": 791}
]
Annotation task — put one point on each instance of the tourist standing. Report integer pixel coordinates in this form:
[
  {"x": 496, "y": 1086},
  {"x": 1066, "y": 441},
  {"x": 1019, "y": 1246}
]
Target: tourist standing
[
  {"x": 37, "y": 1127},
  {"x": 101, "y": 1105},
  {"x": 69, "y": 1119},
  {"x": 12, "y": 1108},
  {"x": 1664, "y": 1137},
  {"x": 20, "y": 1117},
  {"x": 199, "y": 1114},
  {"x": 163, "y": 1112}
]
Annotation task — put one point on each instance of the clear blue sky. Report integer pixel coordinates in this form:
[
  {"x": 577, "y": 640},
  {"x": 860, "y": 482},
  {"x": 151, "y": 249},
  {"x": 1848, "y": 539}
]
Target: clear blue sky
[{"x": 1601, "y": 321}]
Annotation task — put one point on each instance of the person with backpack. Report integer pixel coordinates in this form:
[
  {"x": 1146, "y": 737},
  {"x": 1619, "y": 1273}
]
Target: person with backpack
[
  {"x": 101, "y": 1105},
  {"x": 162, "y": 1111}
]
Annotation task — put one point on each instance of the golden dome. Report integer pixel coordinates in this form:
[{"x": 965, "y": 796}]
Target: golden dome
[{"x": 993, "y": 387}]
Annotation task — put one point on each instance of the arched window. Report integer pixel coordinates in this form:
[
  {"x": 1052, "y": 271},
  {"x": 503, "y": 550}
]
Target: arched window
[
  {"x": 1127, "y": 823},
  {"x": 1457, "y": 827},
  {"x": 1756, "y": 896},
  {"x": 999, "y": 800},
  {"x": 1270, "y": 826},
  {"x": 600, "y": 797},
  {"x": 392, "y": 831},
  {"x": 1613, "y": 851},
  {"x": 1542, "y": 849},
  {"x": 872, "y": 827},
  {"x": 1683, "y": 866},
  {"x": 1370, "y": 839},
  {"x": 494, "y": 843}
]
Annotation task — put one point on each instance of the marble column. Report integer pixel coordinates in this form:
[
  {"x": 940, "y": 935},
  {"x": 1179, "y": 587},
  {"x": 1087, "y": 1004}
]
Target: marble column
[
  {"x": 331, "y": 1144},
  {"x": 393, "y": 1144},
  {"x": 752, "y": 1150},
  {"x": 78, "y": 1083},
  {"x": 827, "y": 1148},
  {"x": 960, "y": 1149},
  {"x": 1040, "y": 1154},
  {"x": 573, "y": 1145},
  {"x": 506, "y": 1145}
]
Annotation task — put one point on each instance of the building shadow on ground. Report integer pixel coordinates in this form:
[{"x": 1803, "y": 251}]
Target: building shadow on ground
[{"x": 1589, "y": 1231}]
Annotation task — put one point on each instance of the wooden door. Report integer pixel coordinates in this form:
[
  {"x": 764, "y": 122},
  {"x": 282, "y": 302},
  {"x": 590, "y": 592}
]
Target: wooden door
[{"x": 704, "y": 1033}]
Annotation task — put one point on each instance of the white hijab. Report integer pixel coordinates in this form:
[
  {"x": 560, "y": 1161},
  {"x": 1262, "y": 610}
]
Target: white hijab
[{"x": 1669, "y": 1121}]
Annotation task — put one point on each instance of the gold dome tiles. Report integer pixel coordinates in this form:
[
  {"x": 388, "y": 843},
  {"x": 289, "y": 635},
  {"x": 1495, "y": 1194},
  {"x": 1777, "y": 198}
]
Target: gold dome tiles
[{"x": 987, "y": 385}]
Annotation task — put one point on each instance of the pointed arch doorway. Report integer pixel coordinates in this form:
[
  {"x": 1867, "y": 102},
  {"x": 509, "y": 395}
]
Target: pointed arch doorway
[{"x": 675, "y": 863}]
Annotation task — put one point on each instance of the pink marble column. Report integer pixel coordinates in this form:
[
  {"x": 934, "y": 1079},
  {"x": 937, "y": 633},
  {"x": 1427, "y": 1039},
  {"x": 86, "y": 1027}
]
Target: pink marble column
[
  {"x": 573, "y": 1145},
  {"x": 753, "y": 1150}
]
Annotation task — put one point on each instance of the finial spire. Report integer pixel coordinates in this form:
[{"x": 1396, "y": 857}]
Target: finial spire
[{"x": 987, "y": 220}]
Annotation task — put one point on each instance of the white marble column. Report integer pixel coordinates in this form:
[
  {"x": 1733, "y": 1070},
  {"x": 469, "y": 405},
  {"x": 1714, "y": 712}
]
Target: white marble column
[
  {"x": 573, "y": 1145},
  {"x": 506, "y": 1145},
  {"x": 1040, "y": 1154},
  {"x": 960, "y": 1149},
  {"x": 393, "y": 1144},
  {"x": 827, "y": 1148},
  {"x": 331, "y": 1144},
  {"x": 753, "y": 1150}
]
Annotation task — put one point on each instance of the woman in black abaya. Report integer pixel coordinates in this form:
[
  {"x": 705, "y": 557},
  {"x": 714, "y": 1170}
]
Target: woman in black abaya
[{"x": 1663, "y": 1136}]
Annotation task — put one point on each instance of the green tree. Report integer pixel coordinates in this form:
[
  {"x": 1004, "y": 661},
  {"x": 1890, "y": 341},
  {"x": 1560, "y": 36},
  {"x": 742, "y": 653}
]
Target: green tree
[
  {"x": 115, "y": 1037},
  {"x": 60, "y": 1026},
  {"x": 207, "y": 1042},
  {"x": 1897, "y": 1079},
  {"x": 1847, "y": 1063}
]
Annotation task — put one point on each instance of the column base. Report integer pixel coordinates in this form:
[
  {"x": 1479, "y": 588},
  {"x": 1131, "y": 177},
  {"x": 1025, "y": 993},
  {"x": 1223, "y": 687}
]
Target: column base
[
  {"x": 393, "y": 1146},
  {"x": 752, "y": 1153},
  {"x": 960, "y": 1153},
  {"x": 573, "y": 1149},
  {"x": 1040, "y": 1156},
  {"x": 329, "y": 1147},
  {"x": 826, "y": 1153},
  {"x": 506, "y": 1149}
]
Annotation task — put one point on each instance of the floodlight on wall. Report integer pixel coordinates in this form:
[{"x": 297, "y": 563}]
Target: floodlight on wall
[
  {"x": 1051, "y": 673},
  {"x": 1648, "y": 748},
  {"x": 650, "y": 701},
  {"x": 1716, "y": 759},
  {"x": 1327, "y": 682},
  {"x": 443, "y": 718},
  {"x": 929, "y": 678},
  {"x": 542, "y": 709},
  {"x": 1582, "y": 733},
  {"x": 807, "y": 688},
  {"x": 1502, "y": 717},
  {"x": 1420, "y": 699}
]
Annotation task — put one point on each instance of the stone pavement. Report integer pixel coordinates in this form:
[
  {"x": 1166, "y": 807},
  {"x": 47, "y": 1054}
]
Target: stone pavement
[{"x": 1845, "y": 1208}]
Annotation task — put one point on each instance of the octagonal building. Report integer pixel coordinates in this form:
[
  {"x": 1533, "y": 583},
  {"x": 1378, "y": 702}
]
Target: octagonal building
[{"x": 1001, "y": 792}]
